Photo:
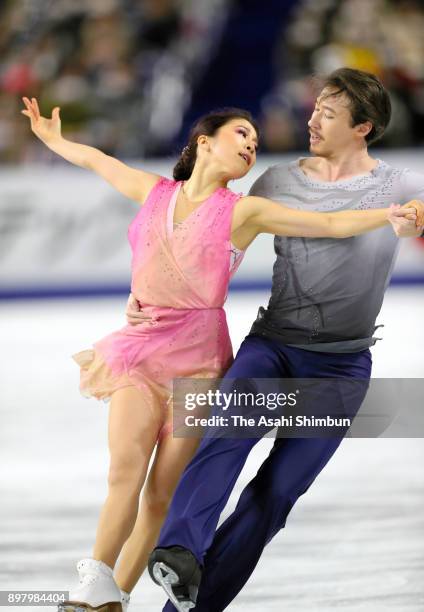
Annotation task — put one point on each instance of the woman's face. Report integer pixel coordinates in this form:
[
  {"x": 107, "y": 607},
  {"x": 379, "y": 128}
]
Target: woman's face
[{"x": 233, "y": 148}]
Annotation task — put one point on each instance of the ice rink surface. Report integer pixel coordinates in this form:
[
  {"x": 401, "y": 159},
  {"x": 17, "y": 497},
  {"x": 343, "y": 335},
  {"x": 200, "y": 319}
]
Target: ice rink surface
[{"x": 354, "y": 542}]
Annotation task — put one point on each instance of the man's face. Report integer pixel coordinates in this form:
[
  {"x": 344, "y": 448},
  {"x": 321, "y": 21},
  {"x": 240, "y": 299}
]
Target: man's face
[{"x": 330, "y": 125}]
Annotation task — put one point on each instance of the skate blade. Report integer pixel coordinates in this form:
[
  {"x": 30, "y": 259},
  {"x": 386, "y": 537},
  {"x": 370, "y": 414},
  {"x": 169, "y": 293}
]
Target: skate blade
[
  {"x": 166, "y": 578},
  {"x": 82, "y": 607}
]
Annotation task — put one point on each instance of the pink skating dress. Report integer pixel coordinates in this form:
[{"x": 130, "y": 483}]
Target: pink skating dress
[{"x": 180, "y": 277}]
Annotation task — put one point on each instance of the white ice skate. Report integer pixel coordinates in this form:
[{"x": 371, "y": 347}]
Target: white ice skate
[
  {"x": 125, "y": 600},
  {"x": 97, "y": 589}
]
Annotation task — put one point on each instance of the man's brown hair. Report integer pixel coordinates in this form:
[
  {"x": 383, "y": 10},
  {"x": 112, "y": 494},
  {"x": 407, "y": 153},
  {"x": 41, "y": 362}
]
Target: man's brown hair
[{"x": 368, "y": 99}]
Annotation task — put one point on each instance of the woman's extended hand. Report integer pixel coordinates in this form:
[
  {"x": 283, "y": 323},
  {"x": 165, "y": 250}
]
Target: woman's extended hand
[
  {"x": 407, "y": 220},
  {"x": 45, "y": 129},
  {"x": 419, "y": 208}
]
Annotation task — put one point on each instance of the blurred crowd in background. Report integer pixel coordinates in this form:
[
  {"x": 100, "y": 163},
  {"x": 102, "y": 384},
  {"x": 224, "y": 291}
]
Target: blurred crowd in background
[
  {"x": 127, "y": 74},
  {"x": 384, "y": 37}
]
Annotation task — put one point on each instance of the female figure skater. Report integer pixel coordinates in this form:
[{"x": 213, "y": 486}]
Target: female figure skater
[{"x": 187, "y": 241}]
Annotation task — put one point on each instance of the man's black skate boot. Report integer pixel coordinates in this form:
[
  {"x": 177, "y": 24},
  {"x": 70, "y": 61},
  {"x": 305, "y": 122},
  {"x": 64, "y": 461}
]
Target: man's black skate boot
[{"x": 177, "y": 571}]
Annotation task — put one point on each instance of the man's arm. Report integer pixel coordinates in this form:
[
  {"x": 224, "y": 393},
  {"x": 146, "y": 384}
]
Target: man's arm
[{"x": 264, "y": 186}]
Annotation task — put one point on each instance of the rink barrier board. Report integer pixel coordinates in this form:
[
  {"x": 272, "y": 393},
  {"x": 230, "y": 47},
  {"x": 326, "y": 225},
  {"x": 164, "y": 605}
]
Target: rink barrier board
[
  {"x": 46, "y": 292},
  {"x": 72, "y": 242}
]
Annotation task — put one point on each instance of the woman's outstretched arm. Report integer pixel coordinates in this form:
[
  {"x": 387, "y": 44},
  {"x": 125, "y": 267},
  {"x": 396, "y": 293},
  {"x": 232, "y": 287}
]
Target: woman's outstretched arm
[
  {"x": 268, "y": 217},
  {"x": 135, "y": 184}
]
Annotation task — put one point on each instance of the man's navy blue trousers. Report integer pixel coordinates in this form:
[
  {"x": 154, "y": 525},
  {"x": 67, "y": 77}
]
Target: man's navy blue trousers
[{"x": 230, "y": 554}]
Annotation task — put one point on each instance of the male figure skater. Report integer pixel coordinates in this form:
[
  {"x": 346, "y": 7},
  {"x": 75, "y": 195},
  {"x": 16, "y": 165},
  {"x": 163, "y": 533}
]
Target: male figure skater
[{"x": 320, "y": 321}]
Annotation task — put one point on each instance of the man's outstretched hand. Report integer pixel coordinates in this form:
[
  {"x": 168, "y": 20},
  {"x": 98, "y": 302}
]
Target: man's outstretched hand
[{"x": 408, "y": 220}]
